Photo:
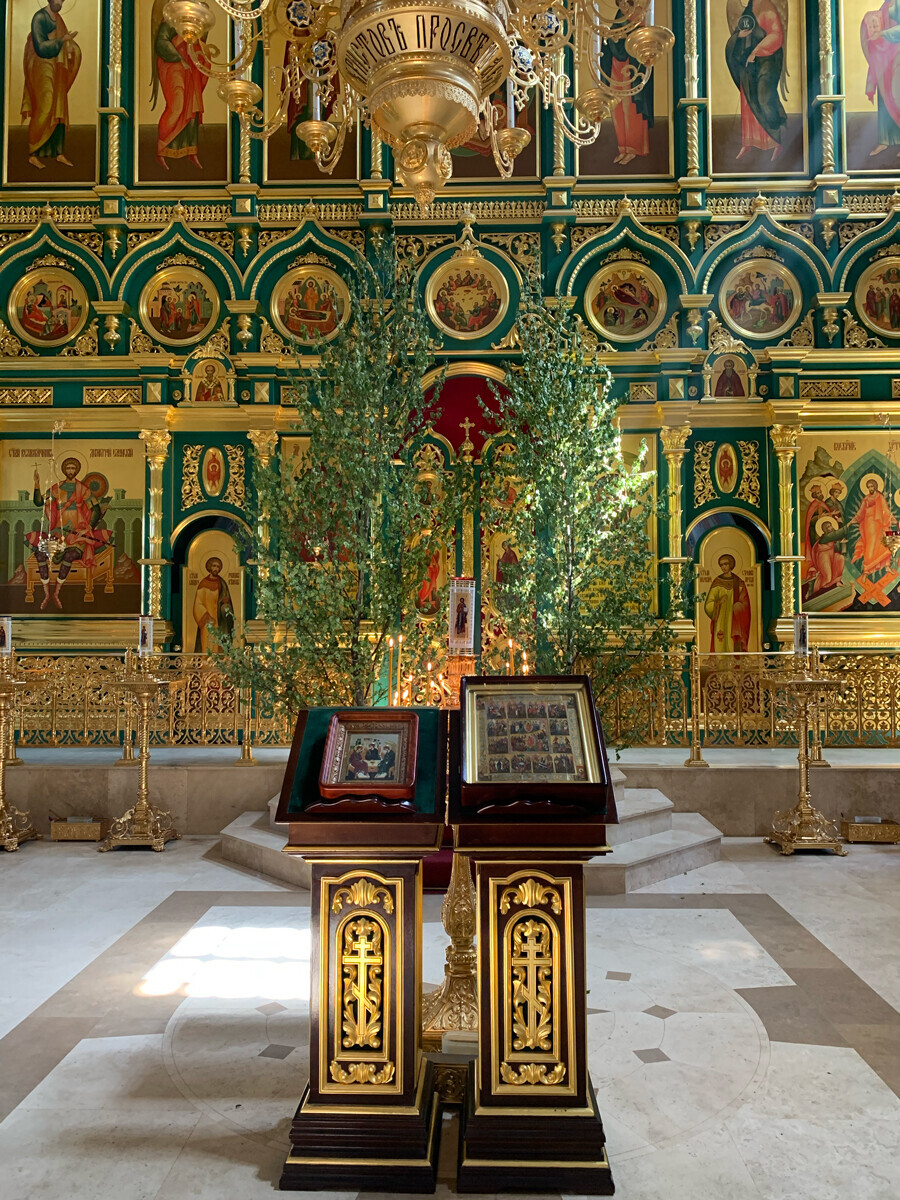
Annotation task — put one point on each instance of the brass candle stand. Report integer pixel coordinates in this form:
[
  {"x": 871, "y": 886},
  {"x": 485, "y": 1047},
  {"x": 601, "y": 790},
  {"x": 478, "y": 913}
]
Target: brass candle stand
[
  {"x": 803, "y": 827},
  {"x": 453, "y": 1007},
  {"x": 15, "y": 826},
  {"x": 143, "y": 824}
]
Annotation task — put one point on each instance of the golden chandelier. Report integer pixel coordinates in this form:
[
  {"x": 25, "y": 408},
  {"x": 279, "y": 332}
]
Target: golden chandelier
[{"x": 423, "y": 73}]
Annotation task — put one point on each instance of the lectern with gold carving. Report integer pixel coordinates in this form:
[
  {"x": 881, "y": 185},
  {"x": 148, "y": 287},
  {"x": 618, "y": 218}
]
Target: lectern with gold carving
[
  {"x": 531, "y": 795},
  {"x": 364, "y": 798}
]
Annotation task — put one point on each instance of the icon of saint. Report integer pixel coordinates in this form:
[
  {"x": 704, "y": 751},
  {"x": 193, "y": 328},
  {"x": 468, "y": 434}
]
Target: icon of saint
[
  {"x": 727, "y": 605},
  {"x": 213, "y": 608},
  {"x": 51, "y": 63}
]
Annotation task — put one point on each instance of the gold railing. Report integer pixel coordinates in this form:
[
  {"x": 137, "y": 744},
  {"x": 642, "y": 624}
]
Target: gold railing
[
  {"x": 81, "y": 703},
  {"x": 678, "y": 699}
]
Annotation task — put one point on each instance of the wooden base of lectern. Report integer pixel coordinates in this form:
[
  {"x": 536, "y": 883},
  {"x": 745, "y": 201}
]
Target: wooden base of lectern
[
  {"x": 539, "y": 1151},
  {"x": 392, "y": 1150}
]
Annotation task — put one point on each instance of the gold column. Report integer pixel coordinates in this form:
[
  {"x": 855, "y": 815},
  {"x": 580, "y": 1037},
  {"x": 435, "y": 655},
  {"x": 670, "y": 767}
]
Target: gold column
[
  {"x": 674, "y": 442},
  {"x": 157, "y": 442},
  {"x": 692, "y": 111},
  {"x": 264, "y": 443},
  {"x": 784, "y": 443},
  {"x": 377, "y": 167},
  {"x": 559, "y": 139}
]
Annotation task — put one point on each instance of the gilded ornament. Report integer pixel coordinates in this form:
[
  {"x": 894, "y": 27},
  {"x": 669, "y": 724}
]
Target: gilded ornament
[
  {"x": 361, "y": 894},
  {"x": 362, "y": 974},
  {"x": 749, "y": 489},
  {"x": 704, "y": 492},
  {"x": 362, "y": 1072},
  {"x": 235, "y": 493},
  {"x": 269, "y": 341},
  {"x": 26, "y": 395},
  {"x": 190, "y": 481},
  {"x": 830, "y": 389},
  {"x": 531, "y": 893},
  {"x": 625, "y": 300},
  {"x": 90, "y": 240},
  {"x": 667, "y": 338},
  {"x": 223, "y": 238},
  {"x": 111, "y": 395},
  {"x": 179, "y": 303},
  {"x": 803, "y": 335},
  {"x": 532, "y": 1073},
  {"x": 264, "y": 443},
  {"x": 642, "y": 393},
  {"x": 141, "y": 342},
  {"x": 522, "y": 248},
  {"x": 85, "y": 345},
  {"x": 856, "y": 338}
]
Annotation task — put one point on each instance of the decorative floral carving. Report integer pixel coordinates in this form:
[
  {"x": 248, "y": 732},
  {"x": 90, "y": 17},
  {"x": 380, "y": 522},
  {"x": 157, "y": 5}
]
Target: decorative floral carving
[
  {"x": 362, "y": 893},
  {"x": 190, "y": 482},
  {"x": 235, "y": 493},
  {"x": 857, "y": 338},
  {"x": 531, "y": 893},
  {"x": 85, "y": 345},
  {"x": 704, "y": 491},
  {"x": 802, "y": 335},
  {"x": 749, "y": 489}
]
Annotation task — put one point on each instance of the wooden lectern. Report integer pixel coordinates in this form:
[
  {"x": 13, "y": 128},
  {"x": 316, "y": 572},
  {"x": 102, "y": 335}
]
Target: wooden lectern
[
  {"x": 530, "y": 795},
  {"x": 369, "y": 1118}
]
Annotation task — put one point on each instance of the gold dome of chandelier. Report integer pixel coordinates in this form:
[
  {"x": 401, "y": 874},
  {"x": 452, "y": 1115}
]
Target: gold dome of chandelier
[{"x": 423, "y": 74}]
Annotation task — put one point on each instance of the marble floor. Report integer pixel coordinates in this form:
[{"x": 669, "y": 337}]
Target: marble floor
[{"x": 743, "y": 1023}]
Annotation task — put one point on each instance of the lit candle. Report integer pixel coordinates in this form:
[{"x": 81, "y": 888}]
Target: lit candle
[
  {"x": 428, "y": 700},
  {"x": 524, "y": 662},
  {"x": 511, "y": 671},
  {"x": 399, "y": 653},
  {"x": 510, "y": 102},
  {"x": 316, "y": 103},
  {"x": 390, "y": 668}
]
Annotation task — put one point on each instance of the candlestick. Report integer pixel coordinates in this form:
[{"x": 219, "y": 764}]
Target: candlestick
[
  {"x": 390, "y": 668},
  {"x": 428, "y": 701},
  {"x": 510, "y": 103}
]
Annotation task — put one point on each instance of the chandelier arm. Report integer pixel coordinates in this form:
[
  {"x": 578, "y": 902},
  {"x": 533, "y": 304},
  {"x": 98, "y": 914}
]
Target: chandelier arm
[
  {"x": 503, "y": 161},
  {"x": 327, "y": 162},
  {"x": 580, "y": 132},
  {"x": 206, "y": 64},
  {"x": 621, "y": 91},
  {"x": 246, "y": 12},
  {"x": 254, "y": 123}
]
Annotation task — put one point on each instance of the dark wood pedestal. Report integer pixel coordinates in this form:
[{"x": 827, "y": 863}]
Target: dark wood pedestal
[
  {"x": 530, "y": 1121},
  {"x": 369, "y": 1117}
]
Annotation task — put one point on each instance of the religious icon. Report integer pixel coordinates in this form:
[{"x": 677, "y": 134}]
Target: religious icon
[
  {"x": 212, "y": 591},
  {"x": 428, "y": 599},
  {"x": 48, "y": 307},
  {"x": 729, "y": 377},
  {"x": 462, "y": 600},
  {"x": 73, "y": 522},
  {"x": 179, "y": 84},
  {"x": 848, "y": 509},
  {"x": 209, "y": 383},
  {"x": 877, "y": 295},
  {"x": 728, "y": 593},
  {"x": 467, "y": 297},
  {"x": 726, "y": 469},
  {"x": 310, "y": 303},
  {"x": 625, "y": 302},
  {"x": 212, "y": 471},
  {"x": 75, "y": 534},
  {"x": 880, "y": 40},
  {"x": 727, "y": 605},
  {"x": 755, "y": 56},
  {"x": 213, "y": 608},
  {"x": 51, "y": 63},
  {"x": 760, "y": 298},
  {"x": 180, "y": 305},
  {"x": 632, "y": 117},
  {"x": 366, "y": 754}
]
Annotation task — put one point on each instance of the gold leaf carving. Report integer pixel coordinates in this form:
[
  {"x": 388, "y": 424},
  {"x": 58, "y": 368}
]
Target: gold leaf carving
[
  {"x": 531, "y": 893},
  {"x": 11, "y": 347},
  {"x": 362, "y": 1072},
  {"x": 190, "y": 484},
  {"x": 532, "y": 1073},
  {"x": 112, "y": 395},
  {"x": 26, "y": 395},
  {"x": 749, "y": 489},
  {"x": 235, "y": 493},
  {"x": 362, "y": 893},
  {"x": 703, "y": 487},
  {"x": 85, "y": 345}
]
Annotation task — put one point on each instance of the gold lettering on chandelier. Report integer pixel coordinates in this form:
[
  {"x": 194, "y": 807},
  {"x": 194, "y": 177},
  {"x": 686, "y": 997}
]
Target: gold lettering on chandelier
[{"x": 379, "y": 41}]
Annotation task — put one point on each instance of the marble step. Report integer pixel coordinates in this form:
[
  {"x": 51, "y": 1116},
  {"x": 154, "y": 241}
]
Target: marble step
[
  {"x": 691, "y": 842},
  {"x": 250, "y": 842},
  {"x": 642, "y": 812}
]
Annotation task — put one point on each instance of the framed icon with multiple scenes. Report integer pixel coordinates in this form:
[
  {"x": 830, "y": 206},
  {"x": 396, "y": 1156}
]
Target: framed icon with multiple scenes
[{"x": 530, "y": 733}]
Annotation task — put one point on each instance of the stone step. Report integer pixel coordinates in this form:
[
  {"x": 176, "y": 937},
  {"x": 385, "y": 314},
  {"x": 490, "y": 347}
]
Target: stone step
[
  {"x": 691, "y": 842},
  {"x": 642, "y": 812},
  {"x": 250, "y": 842}
]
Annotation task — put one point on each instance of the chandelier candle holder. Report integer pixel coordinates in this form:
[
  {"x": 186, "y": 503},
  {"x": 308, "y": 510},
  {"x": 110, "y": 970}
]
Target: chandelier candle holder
[
  {"x": 15, "y": 826},
  {"x": 803, "y": 827},
  {"x": 143, "y": 824},
  {"x": 423, "y": 74}
]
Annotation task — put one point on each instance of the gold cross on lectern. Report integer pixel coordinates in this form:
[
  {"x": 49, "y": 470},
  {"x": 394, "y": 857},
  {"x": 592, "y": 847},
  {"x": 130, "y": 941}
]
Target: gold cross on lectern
[
  {"x": 532, "y": 971},
  {"x": 362, "y": 987}
]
